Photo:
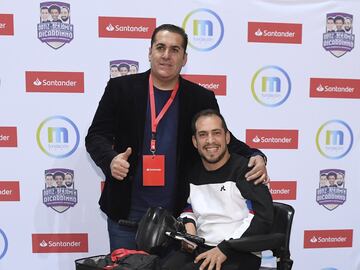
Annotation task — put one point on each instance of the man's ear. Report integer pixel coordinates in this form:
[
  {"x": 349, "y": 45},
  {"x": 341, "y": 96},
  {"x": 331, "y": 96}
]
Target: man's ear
[
  {"x": 185, "y": 59},
  {"x": 149, "y": 55},
  {"x": 194, "y": 141},
  {"x": 227, "y": 137}
]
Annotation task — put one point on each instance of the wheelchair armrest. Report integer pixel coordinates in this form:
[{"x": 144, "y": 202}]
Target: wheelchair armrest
[{"x": 258, "y": 242}]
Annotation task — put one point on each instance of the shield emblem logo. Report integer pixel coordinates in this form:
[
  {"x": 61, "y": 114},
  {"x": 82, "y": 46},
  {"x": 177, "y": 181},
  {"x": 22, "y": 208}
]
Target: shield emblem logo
[
  {"x": 55, "y": 28},
  {"x": 338, "y": 38},
  {"x": 59, "y": 192},
  {"x": 331, "y": 192},
  {"x": 120, "y": 68}
]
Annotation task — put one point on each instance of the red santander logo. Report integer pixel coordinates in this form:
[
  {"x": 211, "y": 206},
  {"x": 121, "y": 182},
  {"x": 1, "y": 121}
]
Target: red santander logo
[
  {"x": 272, "y": 138},
  {"x": 6, "y": 24},
  {"x": 334, "y": 88},
  {"x": 60, "y": 243},
  {"x": 122, "y": 27},
  {"x": 275, "y": 32},
  {"x": 8, "y": 137},
  {"x": 328, "y": 238},
  {"x": 283, "y": 190},
  {"x": 54, "y": 82},
  {"x": 9, "y": 191},
  {"x": 215, "y": 83}
]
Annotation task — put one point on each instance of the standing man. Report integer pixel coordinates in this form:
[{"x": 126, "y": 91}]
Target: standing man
[
  {"x": 222, "y": 205},
  {"x": 141, "y": 137}
]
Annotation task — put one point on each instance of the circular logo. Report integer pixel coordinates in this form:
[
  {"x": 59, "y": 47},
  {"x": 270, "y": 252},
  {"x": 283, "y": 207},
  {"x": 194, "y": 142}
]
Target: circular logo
[
  {"x": 204, "y": 28},
  {"x": 334, "y": 139},
  {"x": 58, "y": 136},
  {"x": 271, "y": 86},
  {"x": 3, "y": 244}
]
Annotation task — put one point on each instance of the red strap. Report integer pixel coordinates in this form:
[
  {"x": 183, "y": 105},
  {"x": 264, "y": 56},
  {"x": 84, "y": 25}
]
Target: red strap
[
  {"x": 122, "y": 252},
  {"x": 156, "y": 119}
]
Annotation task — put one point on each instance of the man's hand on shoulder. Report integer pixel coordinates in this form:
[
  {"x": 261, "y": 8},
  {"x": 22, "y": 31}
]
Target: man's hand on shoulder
[
  {"x": 258, "y": 171},
  {"x": 213, "y": 259},
  {"x": 119, "y": 166}
]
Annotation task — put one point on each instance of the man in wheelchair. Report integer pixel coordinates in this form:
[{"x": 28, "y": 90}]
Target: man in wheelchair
[{"x": 222, "y": 205}]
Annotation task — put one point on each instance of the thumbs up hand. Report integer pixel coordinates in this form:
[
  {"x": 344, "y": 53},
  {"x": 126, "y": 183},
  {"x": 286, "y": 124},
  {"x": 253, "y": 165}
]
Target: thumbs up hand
[{"x": 119, "y": 166}]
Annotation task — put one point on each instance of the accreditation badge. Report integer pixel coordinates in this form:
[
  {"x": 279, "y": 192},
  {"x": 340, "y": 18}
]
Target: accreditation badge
[{"x": 153, "y": 170}]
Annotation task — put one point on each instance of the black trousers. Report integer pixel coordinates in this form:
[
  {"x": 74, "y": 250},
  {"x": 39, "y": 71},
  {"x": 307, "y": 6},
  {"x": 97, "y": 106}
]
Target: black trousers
[{"x": 181, "y": 260}]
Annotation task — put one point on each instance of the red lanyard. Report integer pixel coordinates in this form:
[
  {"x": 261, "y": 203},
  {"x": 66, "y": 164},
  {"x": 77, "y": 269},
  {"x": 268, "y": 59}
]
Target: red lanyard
[{"x": 156, "y": 119}]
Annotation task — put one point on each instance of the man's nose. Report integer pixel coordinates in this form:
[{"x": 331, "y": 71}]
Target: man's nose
[
  {"x": 210, "y": 138},
  {"x": 166, "y": 53}
]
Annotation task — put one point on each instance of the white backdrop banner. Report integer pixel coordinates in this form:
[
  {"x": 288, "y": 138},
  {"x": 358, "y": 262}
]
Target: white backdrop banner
[{"x": 287, "y": 79}]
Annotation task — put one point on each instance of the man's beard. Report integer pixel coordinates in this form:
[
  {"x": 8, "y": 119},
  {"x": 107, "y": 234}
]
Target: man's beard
[
  {"x": 64, "y": 19},
  {"x": 213, "y": 161},
  {"x": 68, "y": 184}
]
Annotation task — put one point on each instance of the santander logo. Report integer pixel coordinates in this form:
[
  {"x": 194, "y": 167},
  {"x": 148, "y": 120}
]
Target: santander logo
[
  {"x": 54, "y": 82},
  {"x": 8, "y": 137},
  {"x": 9, "y": 191},
  {"x": 272, "y": 139},
  {"x": 6, "y": 24},
  {"x": 258, "y": 33},
  {"x": 122, "y": 27},
  {"x": 275, "y": 32},
  {"x": 215, "y": 83},
  {"x": 283, "y": 190},
  {"x": 60, "y": 243},
  {"x": 334, "y": 88},
  {"x": 328, "y": 238}
]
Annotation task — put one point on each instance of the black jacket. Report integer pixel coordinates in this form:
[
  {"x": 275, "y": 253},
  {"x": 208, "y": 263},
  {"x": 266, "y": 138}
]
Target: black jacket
[{"x": 119, "y": 123}]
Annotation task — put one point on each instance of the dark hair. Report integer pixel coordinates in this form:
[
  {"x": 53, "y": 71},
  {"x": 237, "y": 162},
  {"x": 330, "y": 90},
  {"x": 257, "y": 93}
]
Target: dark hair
[
  {"x": 60, "y": 174},
  {"x": 207, "y": 112},
  {"x": 171, "y": 28},
  {"x": 331, "y": 174},
  {"x": 54, "y": 7},
  {"x": 339, "y": 18},
  {"x": 72, "y": 177},
  {"x": 124, "y": 65}
]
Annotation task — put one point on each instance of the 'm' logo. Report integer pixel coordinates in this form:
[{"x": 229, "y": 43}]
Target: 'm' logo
[
  {"x": 9, "y": 191},
  {"x": 334, "y": 88},
  {"x": 58, "y": 136},
  {"x": 3, "y": 244},
  {"x": 8, "y": 137},
  {"x": 328, "y": 238},
  {"x": 272, "y": 139},
  {"x": 205, "y": 29},
  {"x": 215, "y": 83},
  {"x": 283, "y": 190},
  {"x": 271, "y": 86},
  {"x": 334, "y": 139},
  {"x": 60, "y": 243},
  {"x": 274, "y": 32},
  {"x": 122, "y": 27},
  {"x": 6, "y": 24},
  {"x": 54, "y": 82}
]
